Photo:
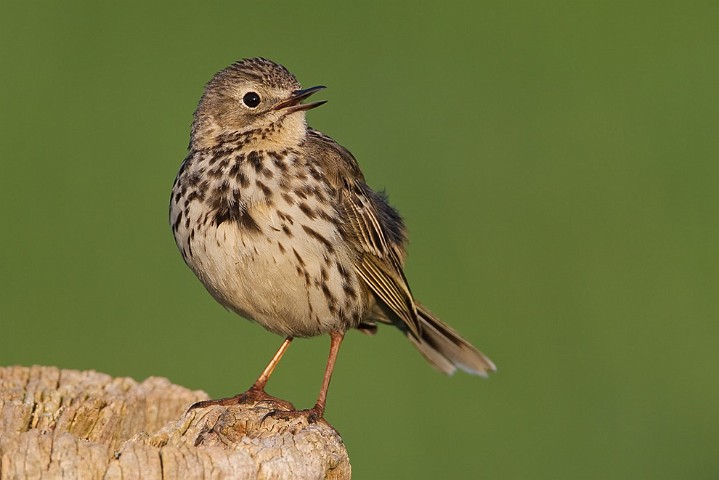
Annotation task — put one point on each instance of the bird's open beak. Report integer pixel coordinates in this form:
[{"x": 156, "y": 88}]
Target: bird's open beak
[{"x": 293, "y": 104}]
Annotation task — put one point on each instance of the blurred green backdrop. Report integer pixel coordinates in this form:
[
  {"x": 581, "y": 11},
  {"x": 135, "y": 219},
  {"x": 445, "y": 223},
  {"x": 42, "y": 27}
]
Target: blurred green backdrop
[{"x": 557, "y": 164}]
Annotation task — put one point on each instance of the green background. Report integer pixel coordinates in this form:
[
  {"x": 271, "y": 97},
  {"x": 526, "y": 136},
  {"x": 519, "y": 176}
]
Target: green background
[{"x": 557, "y": 164}]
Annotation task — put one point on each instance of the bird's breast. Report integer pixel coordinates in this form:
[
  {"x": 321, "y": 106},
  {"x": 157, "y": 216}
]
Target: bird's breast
[{"x": 263, "y": 235}]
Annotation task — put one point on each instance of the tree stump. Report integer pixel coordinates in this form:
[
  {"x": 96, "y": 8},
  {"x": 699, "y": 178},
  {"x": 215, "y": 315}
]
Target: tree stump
[{"x": 68, "y": 424}]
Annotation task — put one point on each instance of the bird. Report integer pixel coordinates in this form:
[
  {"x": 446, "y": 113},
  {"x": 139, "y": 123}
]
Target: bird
[{"x": 277, "y": 221}]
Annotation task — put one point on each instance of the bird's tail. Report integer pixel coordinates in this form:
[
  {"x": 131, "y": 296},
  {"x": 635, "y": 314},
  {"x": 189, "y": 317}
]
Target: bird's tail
[{"x": 445, "y": 349}]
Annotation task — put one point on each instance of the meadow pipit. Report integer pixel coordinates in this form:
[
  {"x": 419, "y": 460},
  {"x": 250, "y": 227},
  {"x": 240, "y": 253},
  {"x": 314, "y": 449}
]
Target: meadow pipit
[{"x": 277, "y": 222}]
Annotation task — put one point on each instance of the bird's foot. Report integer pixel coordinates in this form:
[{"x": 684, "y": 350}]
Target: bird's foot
[
  {"x": 251, "y": 396},
  {"x": 313, "y": 415}
]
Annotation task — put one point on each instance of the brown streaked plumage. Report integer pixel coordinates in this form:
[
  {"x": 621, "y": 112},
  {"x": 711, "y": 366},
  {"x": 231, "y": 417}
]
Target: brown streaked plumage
[{"x": 276, "y": 220}]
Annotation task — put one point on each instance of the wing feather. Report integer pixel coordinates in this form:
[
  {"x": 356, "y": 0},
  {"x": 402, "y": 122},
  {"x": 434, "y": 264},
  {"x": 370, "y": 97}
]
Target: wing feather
[
  {"x": 377, "y": 236},
  {"x": 379, "y": 263}
]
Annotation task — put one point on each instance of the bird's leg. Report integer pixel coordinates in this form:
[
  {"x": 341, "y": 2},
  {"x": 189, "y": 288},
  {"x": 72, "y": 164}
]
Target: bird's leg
[
  {"x": 258, "y": 388},
  {"x": 256, "y": 392},
  {"x": 317, "y": 412}
]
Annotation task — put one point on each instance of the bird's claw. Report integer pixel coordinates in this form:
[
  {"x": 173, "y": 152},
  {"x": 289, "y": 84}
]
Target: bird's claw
[
  {"x": 313, "y": 415},
  {"x": 251, "y": 396}
]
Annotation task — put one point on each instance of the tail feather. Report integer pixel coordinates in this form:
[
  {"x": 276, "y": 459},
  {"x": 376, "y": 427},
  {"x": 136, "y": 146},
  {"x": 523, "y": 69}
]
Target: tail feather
[{"x": 445, "y": 349}]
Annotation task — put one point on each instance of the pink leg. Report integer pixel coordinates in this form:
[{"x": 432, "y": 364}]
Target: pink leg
[{"x": 256, "y": 392}]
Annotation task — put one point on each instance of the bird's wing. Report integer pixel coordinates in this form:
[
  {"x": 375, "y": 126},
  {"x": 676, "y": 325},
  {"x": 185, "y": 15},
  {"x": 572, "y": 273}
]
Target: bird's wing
[
  {"x": 379, "y": 260},
  {"x": 374, "y": 229}
]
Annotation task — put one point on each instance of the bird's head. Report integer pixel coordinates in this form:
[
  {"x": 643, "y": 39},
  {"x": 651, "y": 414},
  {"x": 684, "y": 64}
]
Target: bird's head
[{"x": 257, "y": 99}]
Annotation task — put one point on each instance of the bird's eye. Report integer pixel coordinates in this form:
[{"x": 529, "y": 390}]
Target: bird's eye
[{"x": 251, "y": 99}]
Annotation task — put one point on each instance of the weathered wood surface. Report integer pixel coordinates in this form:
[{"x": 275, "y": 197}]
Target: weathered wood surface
[{"x": 68, "y": 424}]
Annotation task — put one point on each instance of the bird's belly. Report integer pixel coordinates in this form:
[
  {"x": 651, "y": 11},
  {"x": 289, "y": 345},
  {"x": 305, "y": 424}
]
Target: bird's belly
[{"x": 287, "y": 282}]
